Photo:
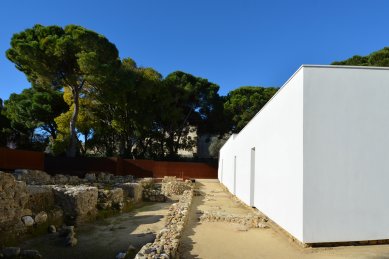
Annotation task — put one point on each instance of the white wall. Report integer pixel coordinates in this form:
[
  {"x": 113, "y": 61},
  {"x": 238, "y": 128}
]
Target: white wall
[
  {"x": 276, "y": 134},
  {"x": 346, "y": 154},
  {"x": 322, "y": 155},
  {"x": 226, "y": 164}
]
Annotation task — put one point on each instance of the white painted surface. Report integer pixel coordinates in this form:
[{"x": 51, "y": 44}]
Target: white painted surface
[
  {"x": 276, "y": 134},
  {"x": 346, "y": 154},
  {"x": 321, "y": 155}
]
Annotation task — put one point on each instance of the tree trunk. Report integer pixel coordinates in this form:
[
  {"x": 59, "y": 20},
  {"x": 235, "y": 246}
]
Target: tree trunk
[
  {"x": 170, "y": 146},
  {"x": 72, "y": 149},
  {"x": 85, "y": 148}
]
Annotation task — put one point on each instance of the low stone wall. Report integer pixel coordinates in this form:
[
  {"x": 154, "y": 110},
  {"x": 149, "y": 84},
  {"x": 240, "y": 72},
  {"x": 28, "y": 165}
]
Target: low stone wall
[
  {"x": 133, "y": 191},
  {"x": 39, "y": 203},
  {"x": 25, "y": 208},
  {"x": 110, "y": 199},
  {"x": 249, "y": 221},
  {"x": 172, "y": 186},
  {"x": 29, "y": 198},
  {"x": 37, "y": 177},
  {"x": 167, "y": 240},
  {"x": 78, "y": 202},
  {"x": 32, "y": 176},
  {"x": 152, "y": 190},
  {"x": 13, "y": 200},
  {"x": 40, "y": 197}
]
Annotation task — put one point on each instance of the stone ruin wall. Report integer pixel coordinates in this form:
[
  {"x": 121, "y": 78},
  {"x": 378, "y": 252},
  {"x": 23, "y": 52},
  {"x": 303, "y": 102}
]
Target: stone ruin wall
[{"x": 32, "y": 198}]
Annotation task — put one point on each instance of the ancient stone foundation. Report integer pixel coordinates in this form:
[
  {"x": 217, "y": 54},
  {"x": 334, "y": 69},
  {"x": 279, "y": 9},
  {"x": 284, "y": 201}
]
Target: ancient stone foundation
[
  {"x": 13, "y": 200},
  {"x": 133, "y": 191},
  {"x": 33, "y": 202},
  {"x": 110, "y": 199},
  {"x": 249, "y": 221},
  {"x": 152, "y": 191},
  {"x": 167, "y": 240},
  {"x": 78, "y": 202},
  {"x": 172, "y": 186}
]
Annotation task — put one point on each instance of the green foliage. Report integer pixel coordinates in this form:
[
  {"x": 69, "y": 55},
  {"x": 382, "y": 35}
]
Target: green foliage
[
  {"x": 35, "y": 108},
  {"x": 355, "y": 60},
  {"x": 59, "y": 145},
  {"x": 216, "y": 144},
  {"x": 184, "y": 101},
  {"x": 243, "y": 103},
  {"x": 72, "y": 57},
  {"x": 378, "y": 58},
  {"x": 81, "y": 87},
  {"x": 5, "y": 126}
]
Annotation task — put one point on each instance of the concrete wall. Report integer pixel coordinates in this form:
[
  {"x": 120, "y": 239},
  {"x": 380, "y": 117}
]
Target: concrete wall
[
  {"x": 276, "y": 134},
  {"x": 321, "y": 167},
  {"x": 346, "y": 154}
]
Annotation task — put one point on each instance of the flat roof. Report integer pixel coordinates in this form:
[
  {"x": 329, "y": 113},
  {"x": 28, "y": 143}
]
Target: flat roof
[
  {"x": 312, "y": 66},
  {"x": 344, "y": 66}
]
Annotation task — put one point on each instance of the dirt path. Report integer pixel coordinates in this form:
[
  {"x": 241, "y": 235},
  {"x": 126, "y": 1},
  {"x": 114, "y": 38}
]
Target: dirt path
[{"x": 210, "y": 240}]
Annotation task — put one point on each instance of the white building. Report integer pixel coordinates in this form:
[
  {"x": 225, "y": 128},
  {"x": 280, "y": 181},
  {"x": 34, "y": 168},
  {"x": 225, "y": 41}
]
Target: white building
[{"x": 315, "y": 159}]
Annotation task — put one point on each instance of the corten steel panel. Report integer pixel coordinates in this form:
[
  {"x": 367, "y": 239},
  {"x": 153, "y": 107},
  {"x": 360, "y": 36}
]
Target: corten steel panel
[
  {"x": 135, "y": 169},
  {"x": 14, "y": 159},
  {"x": 184, "y": 170},
  {"x": 80, "y": 165},
  {"x": 20, "y": 159},
  {"x": 145, "y": 164},
  {"x": 160, "y": 169}
]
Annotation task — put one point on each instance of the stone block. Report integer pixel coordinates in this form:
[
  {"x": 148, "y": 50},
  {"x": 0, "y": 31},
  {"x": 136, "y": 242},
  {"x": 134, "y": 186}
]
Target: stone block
[
  {"x": 78, "y": 202},
  {"x": 32, "y": 176}
]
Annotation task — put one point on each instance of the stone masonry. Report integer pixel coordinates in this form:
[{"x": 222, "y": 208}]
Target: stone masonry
[{"x": 167, "y": 240}]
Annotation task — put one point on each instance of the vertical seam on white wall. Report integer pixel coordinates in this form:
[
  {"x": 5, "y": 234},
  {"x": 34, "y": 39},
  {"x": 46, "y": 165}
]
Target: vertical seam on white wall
[{"x": 303, "y": 171}]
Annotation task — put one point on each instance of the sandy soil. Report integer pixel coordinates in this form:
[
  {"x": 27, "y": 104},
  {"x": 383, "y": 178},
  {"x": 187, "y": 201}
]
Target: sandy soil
[
  {"x": 105, "y": 238},
  {"x": 211, "y": 240}
]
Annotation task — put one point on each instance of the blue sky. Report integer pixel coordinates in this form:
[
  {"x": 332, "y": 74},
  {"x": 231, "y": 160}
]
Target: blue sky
[{"x": 231, "y": 43}]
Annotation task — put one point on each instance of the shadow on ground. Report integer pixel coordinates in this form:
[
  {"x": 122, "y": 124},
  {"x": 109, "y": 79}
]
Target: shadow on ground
[
  {"x": 104, "y": 238},
  {"x": 186, "y": 242}
]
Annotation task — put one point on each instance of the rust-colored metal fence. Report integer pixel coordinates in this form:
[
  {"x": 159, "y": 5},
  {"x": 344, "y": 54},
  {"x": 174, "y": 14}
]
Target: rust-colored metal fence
[
  {"x": 19, "y": 159},
  {"x": 13, "y": 159},
  {"x": 79, "y": 165},
  {"x": 179, "y": 169}
]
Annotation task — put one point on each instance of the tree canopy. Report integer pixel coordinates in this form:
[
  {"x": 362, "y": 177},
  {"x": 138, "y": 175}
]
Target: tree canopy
[
  {"x": 378, "y": 58},
  {"x": 73, "y": 57},
  {"x": 35, "y": 108},
  {"x": 243, "y": 103},
  {"x": 81, "y": 89}
]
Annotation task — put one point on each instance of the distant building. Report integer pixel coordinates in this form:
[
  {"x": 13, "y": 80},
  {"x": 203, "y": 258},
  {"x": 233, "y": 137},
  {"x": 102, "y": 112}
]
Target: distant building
[{"x": 201, "y": 149}]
